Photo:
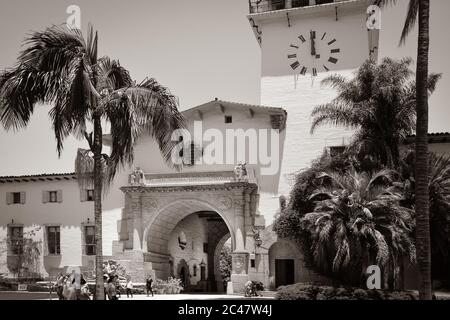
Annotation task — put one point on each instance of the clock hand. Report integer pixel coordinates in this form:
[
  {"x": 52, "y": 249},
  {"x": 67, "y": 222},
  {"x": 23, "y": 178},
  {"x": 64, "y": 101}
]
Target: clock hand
[{"x": 313, "y": 43}]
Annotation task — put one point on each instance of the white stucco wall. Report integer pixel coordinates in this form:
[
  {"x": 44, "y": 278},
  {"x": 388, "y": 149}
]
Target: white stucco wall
[
  {"x": 69, "y": 215},
  {"x": 278, "y": 87}
]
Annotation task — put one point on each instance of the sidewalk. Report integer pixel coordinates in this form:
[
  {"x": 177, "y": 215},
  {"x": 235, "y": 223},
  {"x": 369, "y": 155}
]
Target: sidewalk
[{"x": 189, "y": 297}]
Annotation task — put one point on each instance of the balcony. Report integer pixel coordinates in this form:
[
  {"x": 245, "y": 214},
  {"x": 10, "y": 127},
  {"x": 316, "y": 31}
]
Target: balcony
[{"x": 260, "y": 6}]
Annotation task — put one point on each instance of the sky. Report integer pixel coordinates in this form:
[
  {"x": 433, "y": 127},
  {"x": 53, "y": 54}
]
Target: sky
[{"x": 200, "y": 49}]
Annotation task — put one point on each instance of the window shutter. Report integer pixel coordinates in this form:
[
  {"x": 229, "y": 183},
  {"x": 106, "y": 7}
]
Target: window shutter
[
  {"x": 83, "y": 195},
  {"x": 22, "y": 197},
  {"x": 45, "y": 241},
  {"x": 83, "y": 239},
  {"x": 45, "y": 196},
  {"x": 59, "y": 196},
  {"x": 9, "y": 198}
]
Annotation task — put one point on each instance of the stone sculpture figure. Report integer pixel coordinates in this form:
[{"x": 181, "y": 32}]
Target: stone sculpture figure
[
  {"x": 137, "y": 177},
  {"x": 240, "y": 172}
]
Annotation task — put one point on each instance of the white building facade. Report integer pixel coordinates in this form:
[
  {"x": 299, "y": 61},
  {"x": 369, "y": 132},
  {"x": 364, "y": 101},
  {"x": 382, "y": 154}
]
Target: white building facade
[{"x": 175, "y": 223}]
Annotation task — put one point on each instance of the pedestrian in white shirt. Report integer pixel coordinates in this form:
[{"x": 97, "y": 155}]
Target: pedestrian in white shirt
[{"x": 129, "y": 288}]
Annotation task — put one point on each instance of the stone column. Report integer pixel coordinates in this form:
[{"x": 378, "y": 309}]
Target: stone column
[
  {"x": 136, "y": 213},
  {"x": 239, "y": 273},
  {"x": 239, "y": 220}
]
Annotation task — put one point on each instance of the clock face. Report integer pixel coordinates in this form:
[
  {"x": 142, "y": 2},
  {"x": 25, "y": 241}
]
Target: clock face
[{"x": 313, "y": 52}]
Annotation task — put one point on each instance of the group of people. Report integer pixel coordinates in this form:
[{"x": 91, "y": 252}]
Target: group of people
[
  {"x": 113, "y": 287},
  {"x": 253, "y": 288},
  {"x": 71, "y": 287},
  {"x": 74, "y": 287}
]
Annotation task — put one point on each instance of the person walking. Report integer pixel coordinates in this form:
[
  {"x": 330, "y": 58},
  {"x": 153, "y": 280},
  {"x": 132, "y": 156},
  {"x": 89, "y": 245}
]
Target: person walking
[
  {"x": 106, "y": 286},
  {"x": 129, "y": 288},
  {"x": 60, "y": 279},
  {"x": 149, "y": 284},
  {"x": 76, "y": 283},
  {"x": 118, "y": 286},
  {"x": 112, "y": 294}
]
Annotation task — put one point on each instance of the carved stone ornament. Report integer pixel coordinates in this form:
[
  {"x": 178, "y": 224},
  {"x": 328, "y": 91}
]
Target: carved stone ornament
[
  {"x": 225, "y": 202},
  {"x": 137, "y": 178},
  {"x": 150, "y": 203},
  {"x": 240, "y": 172},
  {"x": 238, "y": 264}
]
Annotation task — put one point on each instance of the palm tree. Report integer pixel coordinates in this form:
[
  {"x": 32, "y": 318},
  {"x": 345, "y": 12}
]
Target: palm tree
[
  {"x": 379, "y": 102},
  {"x": 60, "y": 67},
  {"x": 358, "y": 221},
  {"x": 420, "y": 10},
  {"x": 439, "y": 190}
]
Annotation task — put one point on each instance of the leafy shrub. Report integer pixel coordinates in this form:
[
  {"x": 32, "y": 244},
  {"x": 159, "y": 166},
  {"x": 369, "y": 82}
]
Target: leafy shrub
[{"x": 312, "y": 292}]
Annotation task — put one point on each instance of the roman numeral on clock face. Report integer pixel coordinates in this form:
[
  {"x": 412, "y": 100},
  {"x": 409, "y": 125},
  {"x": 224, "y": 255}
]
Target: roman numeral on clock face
[
  {"x": 335, "y": 50},
  {"x": 303, "y": 71},
  {"x": 333, "y": 60},
  {"x": 323, "y": 37},
  {"x": 292, "y": 56},
  {"x": 302, "y": 38},
  {"x": 331, "y": 42},
  {"x": 326, "y": 69},
  {"x": 295, "y": 65},
  {"x": 314, "y": 72},
  {"x": 294, "y": 46}
]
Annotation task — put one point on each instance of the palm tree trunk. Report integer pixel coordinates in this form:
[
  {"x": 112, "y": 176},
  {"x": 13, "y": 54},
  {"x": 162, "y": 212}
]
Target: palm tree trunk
[
  {"x": 98, "y": 184},
  {"x": 422, "y": 165}
]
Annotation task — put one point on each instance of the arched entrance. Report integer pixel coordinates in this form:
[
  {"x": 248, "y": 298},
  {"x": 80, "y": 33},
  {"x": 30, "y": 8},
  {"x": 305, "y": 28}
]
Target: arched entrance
[
  {"x": 183, "y": 274},
  {"x": 171, "y": 215},
  {"x": 191, "y": 247}
]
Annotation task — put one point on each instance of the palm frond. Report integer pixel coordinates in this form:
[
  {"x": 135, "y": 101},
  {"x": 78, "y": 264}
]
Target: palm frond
[
  {"x": 146, "y": 107},
  {"x": 112, "y": 75},
  {"x": 411, "y": 19}
]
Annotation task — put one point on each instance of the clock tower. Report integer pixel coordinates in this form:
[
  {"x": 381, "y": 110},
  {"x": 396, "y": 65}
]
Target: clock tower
[{"x": 303, "y": 42}]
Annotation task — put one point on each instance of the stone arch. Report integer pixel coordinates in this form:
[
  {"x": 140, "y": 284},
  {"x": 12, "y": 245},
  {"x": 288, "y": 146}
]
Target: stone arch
[
  {"x": 217, "y": 250},
  {"x": 157, "y": 232},
  {"x": 183, "y": 273}
]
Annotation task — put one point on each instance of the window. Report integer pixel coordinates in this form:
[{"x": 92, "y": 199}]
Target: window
[
  {"x": 336, "y": 151},
  {"x": 300, "y": 3},
  {"x": 205, "y": 247},
  {"x": 324, "y": 1},
  {"x": 52, "y": 196},
  {"x": 87, "y": 195},
  {"x": 278, "y": 4},
  {"x": 53, "y": 240},
  {"x": 252, "y": 263},
  {"x": 89, "y": 240},
  {"x": 228, "y": 119},
  {"x": 90, "y": 195},
  {"x": 193, "y": 153},
  {"x": 15, "y": 198},
  {"x": 16, "y": 240}
]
